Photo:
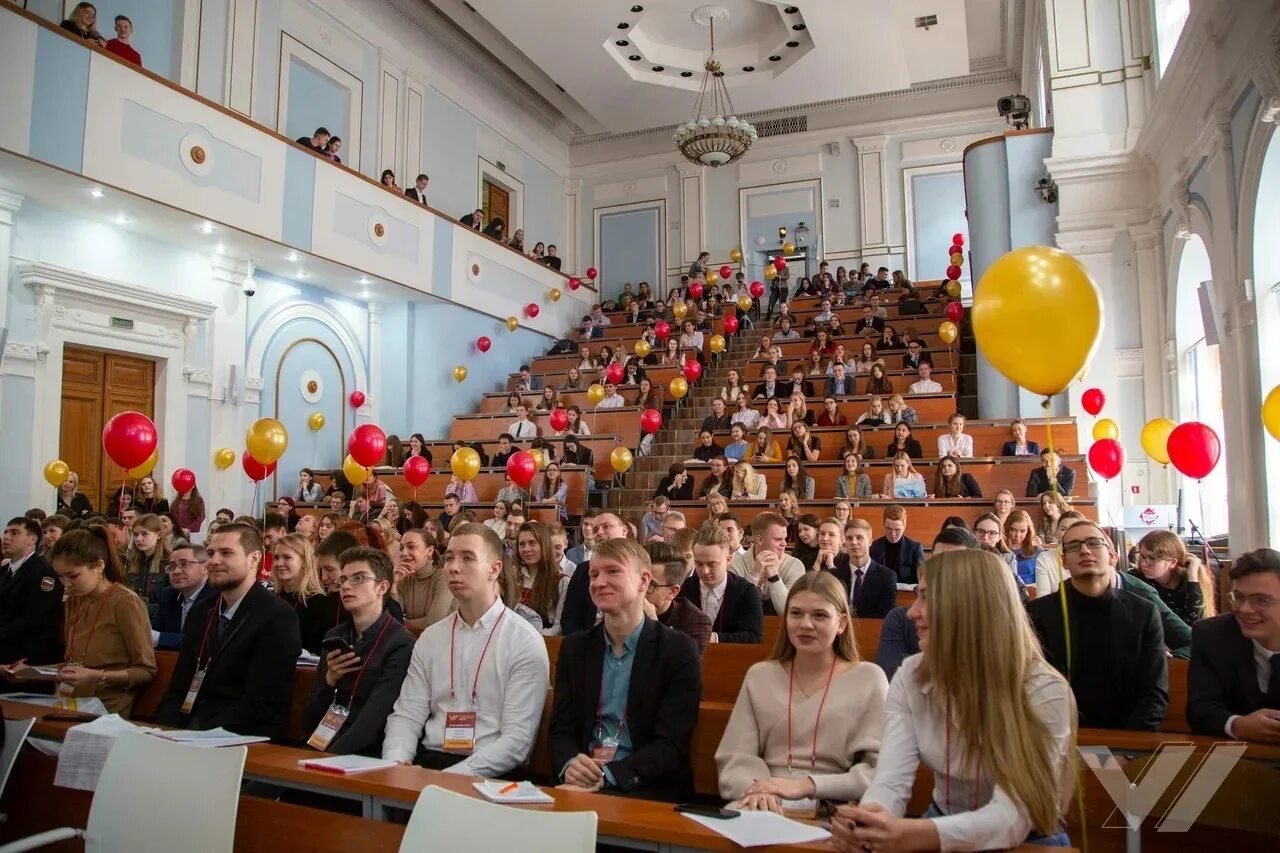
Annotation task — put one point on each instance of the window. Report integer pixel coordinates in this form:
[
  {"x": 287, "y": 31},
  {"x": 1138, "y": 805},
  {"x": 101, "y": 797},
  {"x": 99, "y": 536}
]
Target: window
[
  {"x": 1171, "y": 17},
  {"x": 1266, "y": 277}
]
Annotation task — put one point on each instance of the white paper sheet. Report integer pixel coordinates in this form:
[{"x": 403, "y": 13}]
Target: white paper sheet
[
  {"x": 306, "y": 659},
  {"x": 347, "y": 764},
  {"x": 211, "y": 738},
  {"x": 46, "y": 747},
  {"x": 524, "y": 792},
  {"x": 85, "y": 749},
  {"x": 760, "y": 829}
]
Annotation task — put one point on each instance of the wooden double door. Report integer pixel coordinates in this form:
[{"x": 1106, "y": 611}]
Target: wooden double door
[{"x": 96, "y": 386}]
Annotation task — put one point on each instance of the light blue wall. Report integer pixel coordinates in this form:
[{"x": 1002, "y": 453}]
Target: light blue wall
[
  {"x": 721, "y": 217},
  {"x": 299, "y": 198},
  {"x": 937, "y": 205},
  {"x": 1031, "y": 221},
  {"x": 449, "y": 156},
  {"x": 59, "y": 101},
  {"x": 157, "y": 31},
  {"x": 315, "y": 100},
  {"x": 629, "y": 249},
  {"x": 986, "y": 182},
  {"x": 211, "y": 67},
  {"x": 543, "y": 206},
  {"x": 767, "y": 227},
  {"x": 18, "y": 396}
]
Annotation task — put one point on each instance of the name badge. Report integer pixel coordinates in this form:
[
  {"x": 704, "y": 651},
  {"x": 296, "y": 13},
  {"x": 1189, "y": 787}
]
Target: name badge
[
  {"x": 193, "y": 690},
  {"x": 604, "y": 751},
  {"x": 330, "y": 724},
  {"x": 459, "y": 731},
  {"x": 65, "y": 690}
]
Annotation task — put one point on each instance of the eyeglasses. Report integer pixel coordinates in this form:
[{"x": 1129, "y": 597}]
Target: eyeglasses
[
  {"x": 987, "y": 532},
  {"x": 1256, "y": 601},
  {"x": 185, "y": 565},
  {"x": 1149, "y": 558},
  {"x": 654, "y": 586},
  {"x": 355, "y": 580},
  {"x": 1094, "y": 543}
]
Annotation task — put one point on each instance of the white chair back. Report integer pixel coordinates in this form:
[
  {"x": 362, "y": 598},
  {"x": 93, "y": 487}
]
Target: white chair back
[
  {"x": 15, "y": 735},
  {"x": 443, "y": 820}
]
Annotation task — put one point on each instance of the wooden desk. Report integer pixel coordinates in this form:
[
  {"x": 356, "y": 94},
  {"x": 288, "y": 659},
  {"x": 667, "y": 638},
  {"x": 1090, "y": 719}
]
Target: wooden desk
[
  {"x": 623, "y": 422},
  {"x": 487, "y": 484},
  {"x": 901, "y": 379},
  {"x": 556, "y": 376},
  {"x": 793, "y": 350},
  {"x": 494, "y": 404},
  {"x": 600, "y": 445},
  {"x": 988, "y": 438},
  {"x": 924, "y": 517}
]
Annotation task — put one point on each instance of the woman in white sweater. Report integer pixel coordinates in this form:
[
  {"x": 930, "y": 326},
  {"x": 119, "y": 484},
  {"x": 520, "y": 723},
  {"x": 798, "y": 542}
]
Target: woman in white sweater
[{"x": 807, "y": 723}]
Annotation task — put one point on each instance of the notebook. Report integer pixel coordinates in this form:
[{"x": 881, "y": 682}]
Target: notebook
[
  {"x": 344, "y": 765},
  {"x": 523, "y": 792}
]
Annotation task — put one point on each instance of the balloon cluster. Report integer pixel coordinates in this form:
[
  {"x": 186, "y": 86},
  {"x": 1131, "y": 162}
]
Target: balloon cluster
[
  {"x": 949, "y": 329},
  {"x": 1193, "y": 447},
  {"x": 264, "y": 444},
  {"x": 1106, "y": 454}
]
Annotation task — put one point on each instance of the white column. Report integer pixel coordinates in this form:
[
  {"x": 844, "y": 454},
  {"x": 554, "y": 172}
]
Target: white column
[
  {"x": 873, "y": 192},
  {"x": 228, "y": 330},
  {"x": 190, "y": 58},
  {"x": 693, "y": 220},
  {"x": 10, "y": 204},
  {"x": 372, "y": 409},
  {"x": 1149, "y": 257},
  {"x": 242, "y": 28},
  {"x": 568, "y": 250}
]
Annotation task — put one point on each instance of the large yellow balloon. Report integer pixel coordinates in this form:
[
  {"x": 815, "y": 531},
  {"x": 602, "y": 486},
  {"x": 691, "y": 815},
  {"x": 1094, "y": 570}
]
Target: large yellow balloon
[
  {"x": 679, "y": 309},
  {"x": 948, "y": 332},
  {"x": 224, "y": 458},
  {"x": 146, "y": 467},
  {"x": 56, "y": 473},
  {"x": 678, "y": 387},
  {"x": 465, "y": 464},
  {"x": 770, "y": 272},
  {"x": 355, "y": 473},
  {"x": 1037, "y": 317},
  {"x": 315, "y": 421},
  {"x": 554, "y": 293},
  {"x": 595, "y": 393},
  {"x": 952, "y": 289},
  {"x": 621, "y": 460},
  {"x": 735, "y": 255},
  {"x": 788, "y": 248},
  {"x": 459, "y": 374},
  {"x": 539, "y": 458},
  {"x": 266, "y": 440},
  {"x": 512, "y": 324},
  {"x": 957, "y": 259},
  {"x": 1155, "y": 439},
  {"x": 744, "y": 303},
  {"x": 1106, "y": 428},
  {"x": 717, "y": 343},
  {"x": 642, "y": 348},
  {"x": 1271, "y": 413},
  {"x": 712, "y": 277}
]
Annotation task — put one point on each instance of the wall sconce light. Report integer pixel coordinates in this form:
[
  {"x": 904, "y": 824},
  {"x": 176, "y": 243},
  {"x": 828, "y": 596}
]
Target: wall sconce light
[
  {"x": 782, "y": 234},
  {"x": 1048, "y": 190}
]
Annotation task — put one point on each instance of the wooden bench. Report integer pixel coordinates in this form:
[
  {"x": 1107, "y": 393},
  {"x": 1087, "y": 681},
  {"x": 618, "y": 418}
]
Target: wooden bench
[
  {"x": 623, "y": 422},
  {"x": 989, "y": 438},
  {"x": 659, "y": 375},
  {"x": 492, "y": 404},
  {"x": 600, "y": 446},
  {"x": 798, "y": 350},
  {"x": 924, "y": 517},
  {"x": 487, "y": 484}
]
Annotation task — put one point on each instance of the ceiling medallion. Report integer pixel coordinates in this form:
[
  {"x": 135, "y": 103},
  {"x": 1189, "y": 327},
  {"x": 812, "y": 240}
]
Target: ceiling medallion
[{"x": 721, "y": 138}]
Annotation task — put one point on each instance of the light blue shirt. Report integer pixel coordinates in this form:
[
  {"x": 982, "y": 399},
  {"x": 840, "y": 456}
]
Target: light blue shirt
[
  {"x": 735, "y": 450},
  {"x": 615, "y": 686}
]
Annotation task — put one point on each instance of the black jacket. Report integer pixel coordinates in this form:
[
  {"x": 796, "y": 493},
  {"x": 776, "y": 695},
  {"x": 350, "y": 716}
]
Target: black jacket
[
  {"x": 30, "y": 612},
  {"x": 1137, "y": 668},
  {"x": 741, "y": 616},
  {"x": 78, "y": 508},
  {"x": 910, "y": 558},
  {"x": 720, "y": 424},
  {"x": 579, "y": 611},
  {"x": 662, "y": 709},
  {"x": 168, "y": 618},
  {"x": 1221, "y": 680},
  {"x": 316, "y": 617},
  {"x": 1038, "y": 481},
  {"x": 249, "y": 669},
  {"x": 668, "y": 489},
  {"x": 913, "y": 449},
  {"x": 879, "y": 588},
  {"x": 377, "y": 690}
]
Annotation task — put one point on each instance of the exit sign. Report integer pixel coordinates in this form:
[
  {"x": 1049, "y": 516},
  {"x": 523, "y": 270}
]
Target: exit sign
[{"x": 121, "y": 323}]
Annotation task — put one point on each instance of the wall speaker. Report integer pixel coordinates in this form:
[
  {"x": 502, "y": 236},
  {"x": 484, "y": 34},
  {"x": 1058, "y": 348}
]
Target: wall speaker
[
  {"x": 235, "y": 386},
  {"x": 1214, "y": 332}
]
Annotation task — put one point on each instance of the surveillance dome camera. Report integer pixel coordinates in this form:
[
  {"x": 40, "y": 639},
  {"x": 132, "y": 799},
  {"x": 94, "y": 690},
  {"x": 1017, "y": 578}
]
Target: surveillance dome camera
[{"x": 249, "y": 286}]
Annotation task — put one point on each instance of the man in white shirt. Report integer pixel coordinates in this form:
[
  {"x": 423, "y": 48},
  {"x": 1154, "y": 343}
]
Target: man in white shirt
[
  {"x": 746, "y": 415},
  {"x": 522, "y": 427},
  {"x": 612, "y": 399},
  {"x": 477, "y": 682},
  {"x": 767, "y": 563},
  {"x": 955, "y": 442},
  {"x": 824, "y": 314},
  {"x": 731, "y": 603},
  {"x": 925, "y": 385}
]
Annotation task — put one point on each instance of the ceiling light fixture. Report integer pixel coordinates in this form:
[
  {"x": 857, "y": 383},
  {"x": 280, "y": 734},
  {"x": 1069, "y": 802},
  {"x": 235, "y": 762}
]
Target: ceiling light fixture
[
  {"x": 95, "y": 192},
  {"x": 721, "y": 138},
  {"x": 748, "y": 68},
  {"x": 635, "y": 57},
  {"x": 301, "y": 275},
  {"x": 622, "y": 43},
  {"x": 793, "y": 44},
  {"x": 624, "y": 25},
  {"x": 775, "y": 58},
  {"x": 686, "y": 73},
  {"x": 206, "y": 228},
  {"x": 798, "y": 27},
  {"x": 791, "y": 10},
  {"x": 121, "y": 219},
  {"x": 658, "y": 68},
  {"x": 637, "y": 9},
  {"x": 292, "y": 257},
  {"x": 364, "y": 279}
]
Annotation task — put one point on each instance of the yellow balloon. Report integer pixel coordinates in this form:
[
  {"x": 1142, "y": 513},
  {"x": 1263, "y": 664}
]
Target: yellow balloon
[
  {"x": 717, "y": 343},
  {"x": 744, "y": 303},
  {"x": 539, "y": 458},
  {"x": 642, "y": 348},
  {"x": 355, "y": 473},
  {"x": 146, "y": 467},
  {"x": 1106, "y": 428},
  {"x": 465, "y": 464},
  {"x": 952, "y": 289},
  {"x": 512, "y": 324},
  {"x": 554, "y": 293},
  {"x": 770, "y": 273},
  {"x": 678, "y": 387},
  {"x": 948, "y": 332},
  {"x": 56, "y": 473},
  {"x": 788, "y": 248},
  {"x": 315, "y": 421},
  {"x": 621, "y": 460},
  {"x": 678, "y": 310},
  {"x": 1271, "y": 413},
  {"x": 712, "y": 277},
  {"x": 735, "y": 255},
  {"x": 266, "y": 440},
  {"x": 1155, "y": 439},
  {"x": 957, "y": 259},
  {"x": 595, "y": 393},
  {"x": 1037, "y": 317},
  {"x": 224, "y": 458},
  {"x": 459, "y": 374}
]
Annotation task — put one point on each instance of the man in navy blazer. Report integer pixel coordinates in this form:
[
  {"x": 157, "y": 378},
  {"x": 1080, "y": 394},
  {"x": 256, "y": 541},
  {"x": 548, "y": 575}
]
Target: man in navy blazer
[
  {"x": 733, "y": 604},
  {"x": 1010, "y": 448},
  {"x": 188, "y": 586},
  {"x": 872, "y": 587},
  {"x": 894, "y": 549}
]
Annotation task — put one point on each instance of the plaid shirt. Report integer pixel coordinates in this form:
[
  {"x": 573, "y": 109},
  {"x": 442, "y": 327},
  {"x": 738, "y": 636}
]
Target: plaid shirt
[{"x": 686, "y": 617}]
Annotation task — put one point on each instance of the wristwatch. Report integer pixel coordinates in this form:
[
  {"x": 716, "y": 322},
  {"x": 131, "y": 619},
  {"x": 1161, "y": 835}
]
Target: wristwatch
[{"x": 774, "y": 578}]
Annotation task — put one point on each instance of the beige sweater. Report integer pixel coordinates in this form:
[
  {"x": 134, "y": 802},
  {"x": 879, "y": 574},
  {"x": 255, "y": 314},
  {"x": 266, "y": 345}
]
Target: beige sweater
[
  {"x": 425, "y": 598},
  {"x": 754, "y": 745}
]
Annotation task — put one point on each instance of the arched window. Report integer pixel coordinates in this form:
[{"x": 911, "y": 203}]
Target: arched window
[
  {"x": 1171, "y": 17},
  {"x": 1266, "y": 278}
]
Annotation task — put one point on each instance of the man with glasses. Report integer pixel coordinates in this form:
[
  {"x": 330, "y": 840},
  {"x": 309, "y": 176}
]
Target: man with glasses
[
  {"x": 188, "y": 585},
  {"x": 1233, "y": 684},
  {"x": 663, "y": 601},
  {"x": 1116, "y": 662}
]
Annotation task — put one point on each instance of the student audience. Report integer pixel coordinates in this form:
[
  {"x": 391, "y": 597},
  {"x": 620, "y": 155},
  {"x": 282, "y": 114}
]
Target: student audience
[
  {"x": 297, "y": 581},
  {"x": 767, "y": 564},
  {"x": 731, "y": 602},
  {"x": 669, "y": 570},
  {"x": 1040, "y": 478},
  {"x": 871, "y": 587},
  {"x": 853, "y": 483},
  {"x": 1019, "y": 446},
  {"x": 1180, "y": 579},
  {"x": 70, "y": 502},
  {"x": 188, "y": 586},
  {"x": 542, "y": 583},
  {"x": 900, "y": 553}
]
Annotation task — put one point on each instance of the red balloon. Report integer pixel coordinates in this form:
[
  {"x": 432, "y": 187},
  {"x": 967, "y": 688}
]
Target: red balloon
[
  {"x": 957, "y": 238},
  {"x": 661, "y": 330},
  {"x": 129, "y": 438},
  {"x": 651, "y": 420},
  {"x": 613, "y": 373},
  {"x": 574, "y": 282},
  {"x": 730, "y": 324},
  {"x": 1093, "y": 400},
  {"x": 955, "y": 311},
  {"x": 592, "y": 272},
  {"x": 953, "y": 272},
  {"x": 1194, "y": 449},
  {"x": 416, "y": 470},
  {"x": 1106, "y": 457},
  {"x": 522, "y": 468},
  {"x": 531, "y": 309},
  {"x": 695, "y": 290},
  {"x": 367, "y": 445},
  {"x": 357, "y": 399},
  {"x": 726, "y": 271},
  {"x": 757, "y": 289},
  {"x": 956, "y": 249},
  {"x": 559, "y": 418},
  {"x": 692, "y": 370},
  {"x": 483, "y": 343},
  {"x": 183, "y": 480},
  {"x": 255, "y": 469},
  {"x": 779, "y": 263}
]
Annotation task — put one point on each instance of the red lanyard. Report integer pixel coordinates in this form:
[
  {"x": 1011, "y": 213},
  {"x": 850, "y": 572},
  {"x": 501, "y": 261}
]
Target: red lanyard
[
  {"x": 947, "y": 759},
  {"x": 214, "y": 613},
  {"x": 71, "y": 639},
  {"x": 791, "y": 675},
  {"x": 622, "y": 721},
  {"x": 386, "y": 624},
  {"x": 476, "y": 681}
]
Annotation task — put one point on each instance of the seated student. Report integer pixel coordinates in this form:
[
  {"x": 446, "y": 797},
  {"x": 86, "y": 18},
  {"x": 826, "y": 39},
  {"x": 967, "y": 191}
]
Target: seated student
[
  {"x": 612, "y": 399},
  {"x": 925, "y": 385},
  {"x": 677, "y": 485},
  {"x": 672, "y": 523},
  {"x": 1180, "y": 579},
  {"x": 331, "y": 546},
  {"x": 651, "y": 523},
  {"x": 1025, "y": 557},
  {"x": 719, "y": 420},
  {"x": 916, "y": 355},
  {"x": 769, "y": 387},
  {"x": 738, "y": 446},
  {"x": 982, "y": 682},
  {"x": 670, "y": 569},
  {"x": 872, "y": 587},
  {"x": 454, "y": 712},
  {"x": 898, "y": 637},
  {"x": 238, "y": 650},
  {"x": 541, "y": 582},
  {"x": 452, "y": 506},
  {"x": 418, "y": 582},
  {"x": 805, "y": 548},
  {"x": 1019, "y": 446},
  {"x": 761, "y": 758},
  {"x": 579, "y": 612},
  {"x": 903, "y": 481},
  {"x": 895, "y": 549},
  {"x": 767, "y": 564},
  {"x": 795, "y": 479},
  {"x": 853, "y": 483},
  {"x": 748, "y": 483},
  {"x": 732, "y": 603},
  {"x": 1118, "y": 669},
  {"x": 707, "y": 448},
  {"x": 356, "y": 686},
  {"x": 799, "y": 383},
  {"x": 950, "y": 481},
  {"x": 188, "y": 586},
  {"x": 297, "y": 581},
  {"x": 955, "y": 441},
  {"x": 831, "y": 414},
  {"x": 838, "y": 383},
  {"x": 30, "y": 597},
  {"x": 627, "y": 690},
  {"x": 1233, "y": 683},
  {"x": 718, "y": 478},
  {"x": 522, "y": 427}
]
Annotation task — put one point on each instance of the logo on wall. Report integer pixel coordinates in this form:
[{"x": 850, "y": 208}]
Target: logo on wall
[{"x": 311, "y": 386}]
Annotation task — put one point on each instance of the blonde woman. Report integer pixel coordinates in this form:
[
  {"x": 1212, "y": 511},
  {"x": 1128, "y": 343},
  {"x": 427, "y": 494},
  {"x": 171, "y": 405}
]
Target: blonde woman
[
  {"x": 982, "y": 710},
  {"x": 1026, "y": 554},
  {"x": 716, "y": 504},
  {"x": 297, "y": 580},
  {"x": 900, "y": 412},
  {"x": 904, "y": 481},
  {"x": 1181, "y": 580},
  {"x": 807, "y": 722},
  {"x": 798, "y": 410},
  {"x": 748, "y": 484},
  {"x": 1052, "y": 506},
  {"x": 145, "y": 561},
  {"x": 764, "y": 448}
]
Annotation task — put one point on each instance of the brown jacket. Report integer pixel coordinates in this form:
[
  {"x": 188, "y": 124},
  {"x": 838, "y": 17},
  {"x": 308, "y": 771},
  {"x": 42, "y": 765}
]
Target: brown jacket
[{"x": 110, "y": 631}]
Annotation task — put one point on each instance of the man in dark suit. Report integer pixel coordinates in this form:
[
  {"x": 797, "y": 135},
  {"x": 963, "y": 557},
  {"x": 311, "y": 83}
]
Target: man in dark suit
[
  {"x": 770, "y": 387},
  {"x": 627, "y": 690},
  {"x": 839, "y": 384},
  {"x": 30, "y": 598},
  {"x": 235, "y": 669},
  {"x": 916, "y": 354},
  {"x": 188, "y": 586},
  {"x": 579, "y": 612},
  {"x": 1233, "y": 683},
  {"x": 418, "y": 192},
  {"x": 733, "y": 604},
  {"x": 551, "y": 259},
  {"x": 799, "y": 383},
  {"x": 868, "y": 323},
  {"x": 872, "y": 588},
  {"x": 895, "y": 549},
  {"x": 474, "y": 220},
  {"x": 1118, "y": 670},
  {"x": 1038, "y": 481}
]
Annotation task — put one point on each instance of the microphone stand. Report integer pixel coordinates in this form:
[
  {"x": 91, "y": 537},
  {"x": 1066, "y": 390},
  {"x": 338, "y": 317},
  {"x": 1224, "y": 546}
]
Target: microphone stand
[{"x": 1210, "y": 558}]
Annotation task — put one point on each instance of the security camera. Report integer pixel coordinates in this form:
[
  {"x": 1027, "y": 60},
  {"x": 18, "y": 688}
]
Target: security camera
[
  {"x": 1016, "y": 110},
  {"x": 249, "y": 286}
]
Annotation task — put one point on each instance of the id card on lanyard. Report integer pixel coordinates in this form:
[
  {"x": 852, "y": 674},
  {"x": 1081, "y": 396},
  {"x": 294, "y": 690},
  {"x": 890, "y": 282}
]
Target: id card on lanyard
[
  {"x": 202, "y": 664},
  {"x": 460, "y": 726},
  {"x": 336, "y": 717}
]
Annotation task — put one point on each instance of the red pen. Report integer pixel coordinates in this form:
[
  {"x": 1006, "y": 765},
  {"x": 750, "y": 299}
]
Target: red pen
[{"x": 321, "y": 768}]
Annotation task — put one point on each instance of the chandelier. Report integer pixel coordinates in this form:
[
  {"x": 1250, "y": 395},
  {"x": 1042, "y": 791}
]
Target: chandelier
[{"x": 721, "y": 138}]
